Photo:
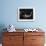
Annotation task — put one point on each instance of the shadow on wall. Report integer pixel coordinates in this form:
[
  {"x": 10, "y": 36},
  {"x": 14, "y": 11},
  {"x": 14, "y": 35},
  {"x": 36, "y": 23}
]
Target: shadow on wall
[{"x": 2, "y": 26}]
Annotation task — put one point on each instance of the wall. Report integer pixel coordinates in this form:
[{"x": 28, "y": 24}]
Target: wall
[{"x": 8, "y": 13}]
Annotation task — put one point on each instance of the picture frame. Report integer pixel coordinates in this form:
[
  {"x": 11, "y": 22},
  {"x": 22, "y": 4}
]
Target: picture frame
[{"x": 26, "y": 14}]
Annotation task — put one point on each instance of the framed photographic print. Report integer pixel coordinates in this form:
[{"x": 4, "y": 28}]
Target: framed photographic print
[{"x": 26, "y": 14}]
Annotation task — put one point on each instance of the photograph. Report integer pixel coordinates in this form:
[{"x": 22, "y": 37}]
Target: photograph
[
  {"x": 22, "y": 23},
  {"x": 26, "y": 14}
]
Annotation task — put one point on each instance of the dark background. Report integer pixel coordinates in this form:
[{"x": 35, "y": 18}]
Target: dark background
[{"x": 27, "y": 12}]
